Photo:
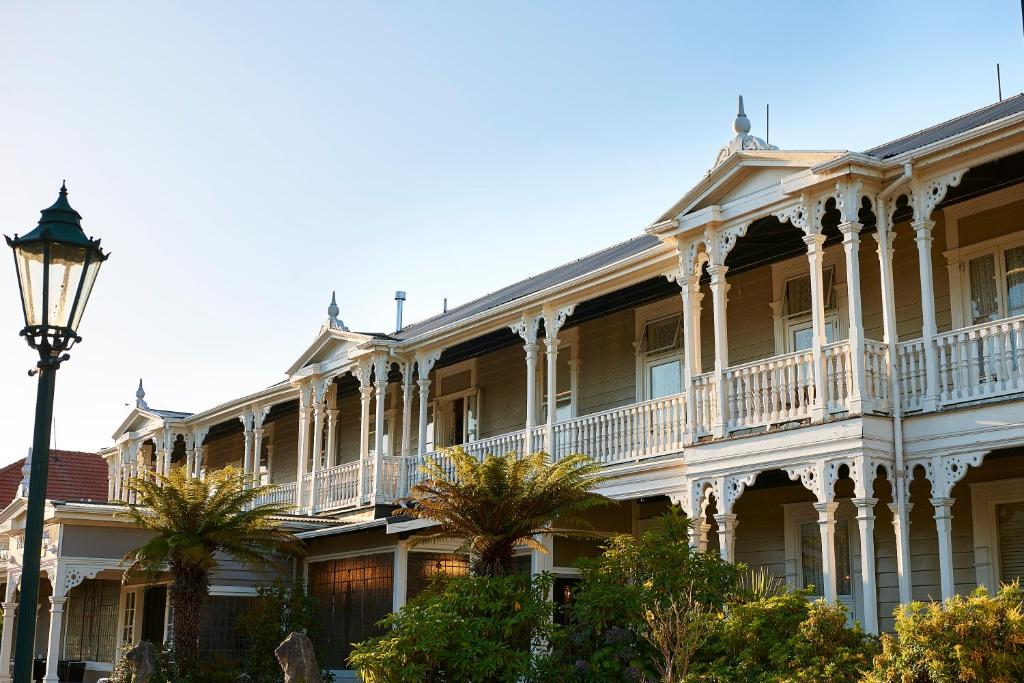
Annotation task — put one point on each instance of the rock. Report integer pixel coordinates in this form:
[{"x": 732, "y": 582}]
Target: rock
[
  {"x": 298, "y": 660},
  {"x": 142, "y": 657}
]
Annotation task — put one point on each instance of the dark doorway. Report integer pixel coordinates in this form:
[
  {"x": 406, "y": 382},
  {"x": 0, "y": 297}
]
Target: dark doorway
[
  {"x": 154, "y": 605},
  {"x": 564, "y": 590}
]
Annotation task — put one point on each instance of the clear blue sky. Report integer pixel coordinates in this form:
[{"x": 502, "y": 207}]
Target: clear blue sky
[{"x": 241, "y": 160}]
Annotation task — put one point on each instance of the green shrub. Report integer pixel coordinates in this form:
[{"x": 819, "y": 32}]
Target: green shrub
[
  {"x": 277, "y": 610},
  {"x": 635, "y": 583},
  {"x": 480, "y": 629},
  {"x": 977, "y": 638}
]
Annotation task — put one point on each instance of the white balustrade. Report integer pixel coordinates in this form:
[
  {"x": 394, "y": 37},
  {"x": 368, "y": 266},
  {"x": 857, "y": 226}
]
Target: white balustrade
[
  {"x": 282, "y": 494},
  {"x": 706, "y": 402},
  {"x": 641, "y": 430},
  {"x": 838, "y": 375},
  {"x": 981, "y": 361},
  {"x": 770, "y": 391},
  {"x": 500, "y": 445},
  {"x": 876, "y": 376},
  {"x": 912, "y": 373},
  {"x": 337, "y": 486}
]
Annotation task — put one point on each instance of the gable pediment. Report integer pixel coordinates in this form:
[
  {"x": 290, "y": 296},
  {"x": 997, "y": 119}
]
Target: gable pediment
[
  {"x": 139, "y": 420},
  {"x": 331, "y": 349}
]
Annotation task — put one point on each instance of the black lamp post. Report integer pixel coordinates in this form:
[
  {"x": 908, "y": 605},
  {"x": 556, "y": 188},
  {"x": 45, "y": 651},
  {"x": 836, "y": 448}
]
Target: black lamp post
[{"x": 57, "y": 266}]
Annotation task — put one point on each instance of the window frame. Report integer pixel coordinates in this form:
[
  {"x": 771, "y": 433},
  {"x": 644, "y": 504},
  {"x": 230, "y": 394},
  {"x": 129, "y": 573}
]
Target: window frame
[
  {"x": 797, "y": 514},
  {"x": 645, "y": 316},
  {"x": 997, "y": 248},
  {"x": 985, "y": 496},
  {"x": 798, "y": 267}
]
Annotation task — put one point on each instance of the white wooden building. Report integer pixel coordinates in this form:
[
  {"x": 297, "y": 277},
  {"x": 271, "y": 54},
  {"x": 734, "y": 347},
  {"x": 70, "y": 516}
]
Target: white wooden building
[{"x": 819, "y": 355}]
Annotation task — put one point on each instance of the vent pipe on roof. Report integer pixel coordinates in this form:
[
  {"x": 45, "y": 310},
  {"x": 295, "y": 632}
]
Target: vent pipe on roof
[
  {"x": 446, "y": 298},
  {"x": 399, "y": 301}
]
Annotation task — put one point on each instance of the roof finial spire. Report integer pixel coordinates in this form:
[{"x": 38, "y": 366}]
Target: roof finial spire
[
  {"x": 741, "y": 126},
  {"x": 333, "y": 321},
  {"x": 140, "y": 397}
]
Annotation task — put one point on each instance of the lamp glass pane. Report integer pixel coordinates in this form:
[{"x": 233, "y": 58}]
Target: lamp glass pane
[
  {"x": 66, "y": 266},
  {"x": 31, "y": 264},
  {"x": 88, "y": 280}
]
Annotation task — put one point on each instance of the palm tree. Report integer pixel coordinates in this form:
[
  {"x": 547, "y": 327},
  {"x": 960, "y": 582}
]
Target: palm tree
[
  {"x": 194, "y": 522},
  {"x": 502, "y": 501}
]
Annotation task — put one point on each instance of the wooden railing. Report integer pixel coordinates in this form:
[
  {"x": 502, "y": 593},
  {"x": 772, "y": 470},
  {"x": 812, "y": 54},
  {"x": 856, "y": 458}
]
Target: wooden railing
[
  {"x": 981, "y": 361},
  {"x": 633, "y": 432},
  {"x": 911, "y": 367},
  {"x": 770, "y": 391},
  {"x": 876, "y": 376}
]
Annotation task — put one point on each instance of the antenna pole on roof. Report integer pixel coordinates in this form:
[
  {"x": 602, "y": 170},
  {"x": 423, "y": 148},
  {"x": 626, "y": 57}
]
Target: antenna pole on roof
[
  {"x": 446, "y": 298},
  {"x": 768, "y": 120},
  {"x": 999, "y": 78}
]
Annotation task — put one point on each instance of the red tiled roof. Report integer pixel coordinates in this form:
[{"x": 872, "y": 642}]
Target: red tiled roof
[{"x": 73, "y": 475}]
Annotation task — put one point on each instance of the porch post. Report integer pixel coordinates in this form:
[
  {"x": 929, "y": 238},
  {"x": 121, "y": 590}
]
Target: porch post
[
  {"x": 246, "y": 418},
  {"x": 57, "y": 601},
  {"x": 866, "y": 527},
  {"x": 365, "y": 394},
  {"x": 719, "y": 292},
  {"x": 168, "y": 450},
  {"x": 400, "y": 585},
  {"x": 331, "y": 458},
  {"x": 407, "y": 393},
  {"x": 553, "y": 321},
  {"x": 727, "y": 536},
  {"x": 380, "y": 371},
  {"x": 943, "y": 527},
  {"x": 7, "y": 634},
  {"x": 851, "y": 249},
  {"x": 305, "y": 392},
  {"x": 259, "y": 415},
  {"x": 527, "y": 329},
  {"x": 923, "y": 237},
  {"x": 317, "y": 449},
  {"x": 815, "y": 255},
  {"x": 424, "y": 364},
  {"x": 827, "y": 526},
  {"x": 690, "y": 284},
  {"x": 900, "y": 507},
  {"x": 200, "y": 436},
  {"x": 190, "y": 455}
]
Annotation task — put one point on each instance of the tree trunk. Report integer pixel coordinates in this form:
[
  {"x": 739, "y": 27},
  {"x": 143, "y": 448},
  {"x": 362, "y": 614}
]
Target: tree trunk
[{"x": 189, "y": 591}]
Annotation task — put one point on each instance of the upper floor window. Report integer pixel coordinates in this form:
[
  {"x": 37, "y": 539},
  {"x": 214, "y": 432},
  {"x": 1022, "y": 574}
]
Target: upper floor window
[
  {"x": 995, "y": 284},
  {"x": 797, "y": 314},
  {"x": 661, "y": 348}
]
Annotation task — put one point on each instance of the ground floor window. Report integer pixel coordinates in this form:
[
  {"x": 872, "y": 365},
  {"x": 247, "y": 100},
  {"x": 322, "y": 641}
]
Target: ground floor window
[
  {"x": 425, "y": 567},
  {"x": 810, "y": 557},
  {"x": 91, "y": 621},
  {"x": 219, "y": 632},
  {"x": 353, "y": 594},
  {"x": 1010, "y": 524}
]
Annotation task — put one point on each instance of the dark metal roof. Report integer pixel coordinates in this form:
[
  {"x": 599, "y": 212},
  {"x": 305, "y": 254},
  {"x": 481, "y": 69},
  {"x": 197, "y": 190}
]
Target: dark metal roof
[
  {"x": 531, "y": 285},
  {"x": 169, "y": 413},
  {"x": 948, "y": 129}
]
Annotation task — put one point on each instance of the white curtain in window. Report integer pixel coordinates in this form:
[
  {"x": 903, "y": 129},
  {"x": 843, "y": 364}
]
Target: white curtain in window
[
  {"x": 666, "y": 378},
  {"x": 984, "y": 292},
  {"x": 1014, "y": 281}
]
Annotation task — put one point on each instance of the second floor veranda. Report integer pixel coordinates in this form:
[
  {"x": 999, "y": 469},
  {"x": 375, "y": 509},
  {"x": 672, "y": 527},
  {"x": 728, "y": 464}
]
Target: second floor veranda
[{"x": 802, "y": 317}]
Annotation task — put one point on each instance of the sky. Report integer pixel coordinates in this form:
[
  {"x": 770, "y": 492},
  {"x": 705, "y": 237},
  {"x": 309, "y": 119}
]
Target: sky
[{"x": 241, "y": 160}]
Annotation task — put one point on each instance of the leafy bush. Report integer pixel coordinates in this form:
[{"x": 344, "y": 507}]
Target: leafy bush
[
  {"x": 626, "y": 598},
  {"x": 977, "y": 638},
  {"x": 784, "y": 637},
  {"x": 484, "y": 629},
  {"x": 277, "y": 610}
]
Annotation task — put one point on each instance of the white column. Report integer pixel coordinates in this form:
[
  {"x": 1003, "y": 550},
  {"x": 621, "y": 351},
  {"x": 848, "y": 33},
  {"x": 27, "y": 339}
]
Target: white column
[
  {"x": 407, "y": 395},
  {"x": 719, "y": 299},
  {"x": 168, "y": 451},
  {"x": 111, "y": 481},
  {"x": 900, "y": 507},
  {"x": 257, "y": 440},
  {"x": 527, "y": 329},
  {"x": 380, "y": 371},
  {"x": 851, "y": 249},
  {"x": 400, "y": 584},
  {"x": 827, "y": 526},
  {"x": 365, "y": 394},
  {"x": 815, "y": 256},
  {"x": 331, "y": 458},
  {"x": 317, "y": 450},
  {"x": 305, "y": 398},
  {"x": 923, "y": 233},
  {"x": 551, "y": 361},
  {"x": 190, "y": 457},
  {"x": 247, "y": 436},
  {"x": 690, "y": 285},
  {"x": 943, "y": 527},
  {"x": 727, "y": 536},
  {"x": 424, "y": 394},
  {"x": 199, "y": 436},
  {"x": 7, "y": 633},
  {"x": 56, "y": 630},
  {"x": 866, "y": 527},
  {"x": 901, "y": 527}
]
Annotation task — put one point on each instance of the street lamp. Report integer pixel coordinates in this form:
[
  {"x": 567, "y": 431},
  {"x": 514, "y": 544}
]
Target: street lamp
[{"x": 57, "y": 266}]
